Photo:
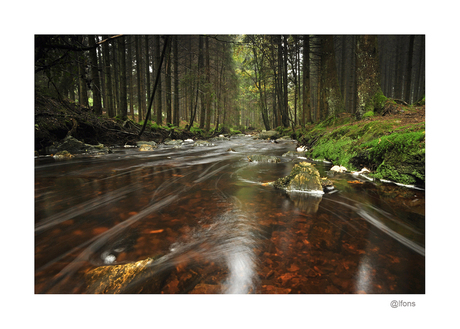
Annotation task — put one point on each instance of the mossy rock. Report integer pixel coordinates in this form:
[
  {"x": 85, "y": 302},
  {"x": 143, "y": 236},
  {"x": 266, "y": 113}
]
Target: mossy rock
[
  {"x": 303, "y": 177},
  {"x": 63, "y": 155},
  {"x": 74, "y": 146},
  {"x": 128, "y": 278},
  {"x": 272, "y": 134},
  {"x": 263, "y": 158}
]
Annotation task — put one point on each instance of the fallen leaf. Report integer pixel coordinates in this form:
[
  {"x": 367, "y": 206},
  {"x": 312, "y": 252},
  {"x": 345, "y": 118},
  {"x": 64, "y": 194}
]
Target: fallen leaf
[
  {"x": 156, "y": 231},
  {"x": 293, "y": 268}
]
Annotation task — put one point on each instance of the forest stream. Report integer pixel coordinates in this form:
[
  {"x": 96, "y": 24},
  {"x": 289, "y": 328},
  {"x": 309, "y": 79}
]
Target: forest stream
[{"x": 203, "y": 220}]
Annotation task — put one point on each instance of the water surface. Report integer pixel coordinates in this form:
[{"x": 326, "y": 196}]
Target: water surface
[{"x": 201, "y": 220}]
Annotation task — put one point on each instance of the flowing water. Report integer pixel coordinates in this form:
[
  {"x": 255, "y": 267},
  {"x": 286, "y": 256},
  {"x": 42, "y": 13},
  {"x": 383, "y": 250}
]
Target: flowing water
[{"x": 201, "y": 220}]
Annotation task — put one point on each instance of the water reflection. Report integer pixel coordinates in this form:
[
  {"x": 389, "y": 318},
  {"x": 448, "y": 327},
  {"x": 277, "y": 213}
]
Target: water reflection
[{"x": 203, "y": 221}]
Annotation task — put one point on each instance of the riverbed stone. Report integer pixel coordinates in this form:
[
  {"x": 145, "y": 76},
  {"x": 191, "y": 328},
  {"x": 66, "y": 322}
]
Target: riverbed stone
[
  {"x": 263, "y": 158},
  {"x": 272, "y": 134},
  {"x": 63, "y": 155},
  {"x": 146, "y": 146},
  {"x": 74, "y": 146},
  {"x": 202, "y": 143},
  {"x": 293, "y": 154},
  {"x": 238, "y": 136},
  {"x": 303, "y": 177},
  {"x": 174, "y": 142},
  {"x": 220, "y": 138},
  {"x": 138, "y": 277}
]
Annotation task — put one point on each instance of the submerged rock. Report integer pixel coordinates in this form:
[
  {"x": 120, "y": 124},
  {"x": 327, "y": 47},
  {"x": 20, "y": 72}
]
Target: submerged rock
[
  {"x": 309, "y": 203},
  {"x": 174, "y": 142},
  {"x": 263, "y": 158},
  {"x": 238, "y": 136},
  {"x": 202, "y": 143},
  {"x": 303, "y": 177},
  {"x": 293, "y": 154},
  {"x": 74, "y": 146},
  {"x": 220, "y": 138},
  {"x": 128, "y": 278},
  {"x": 284, "y": 138}
]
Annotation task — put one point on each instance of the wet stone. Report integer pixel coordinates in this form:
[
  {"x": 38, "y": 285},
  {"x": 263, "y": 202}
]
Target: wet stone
[
  {"x": 174, "y": 142},
  {"x": 74, "y": 146},
  {"x": 263, "y": 158},
  {"x": 293, "y": 154},
  {"x": 138, "y": 277},
  {"x": 220, "y": 138},
  {"x": 200, "y": 143},
  {"x": 303, "y": 177},
  {"x": 272, "y": 134}
]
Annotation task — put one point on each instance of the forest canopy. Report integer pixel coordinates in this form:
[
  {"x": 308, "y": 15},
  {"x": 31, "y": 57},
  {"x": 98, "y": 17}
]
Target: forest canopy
[{"x": 259, "y": 81}]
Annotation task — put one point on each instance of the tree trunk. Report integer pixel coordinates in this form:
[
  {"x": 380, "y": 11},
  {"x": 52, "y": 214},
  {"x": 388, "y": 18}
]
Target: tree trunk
[
  {"x": 306, "y": 112},
  {"x": 159, "y": 104},
  {"x": 368, "y": 75},
  {"x": 168, "y": 85},
  {"x": 176, "y": 119},
  {"x": 407, "y": 88},
  {"x": 130, "y": 78},
  {"x": 140, "y": 92},
  {"x": 331, "y": 98},
  {"x": 208, "y": 87},
  {"x": 96, "y": 87},
  {"x": 147, "y": 69},
  {"x": 123, "y": 109}
]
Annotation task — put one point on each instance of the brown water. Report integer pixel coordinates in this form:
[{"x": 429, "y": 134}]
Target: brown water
[{"x": 200, "y": 220}]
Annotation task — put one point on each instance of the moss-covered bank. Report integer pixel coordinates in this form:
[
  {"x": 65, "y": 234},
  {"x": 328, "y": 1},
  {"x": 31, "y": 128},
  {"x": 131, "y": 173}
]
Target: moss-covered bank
[{"x": 391, "y": 146}]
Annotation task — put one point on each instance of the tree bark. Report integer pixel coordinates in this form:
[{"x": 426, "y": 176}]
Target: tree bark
[
  {"x": 331, "y": 99},
  {"x": 407, "y": 88},
  {"x": 168, "y": 85},
  {"x": 108, "y": 86},
  {"x": 96, "y": 86},
  {"x": 176, "y": 119},
  {"x": 159, "y": 107},
  {"x": 140, "y": 91},
  {"x": 306, "y": 113},
  {"x": 123, "y": 109},
  {"x": 368, "y": 75}
]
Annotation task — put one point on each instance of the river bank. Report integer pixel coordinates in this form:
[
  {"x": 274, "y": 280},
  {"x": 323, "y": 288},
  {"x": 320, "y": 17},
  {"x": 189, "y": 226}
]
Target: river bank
[{"x": 391, "y": 146}]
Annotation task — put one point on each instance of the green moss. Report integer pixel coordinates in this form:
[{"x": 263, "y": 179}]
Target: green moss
[
  {"x": 368, "y": 114},
  {"x": 379, "y": 100},
  {"x": 400, "y": 157},
  {"x": 338, "y": 151}
]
